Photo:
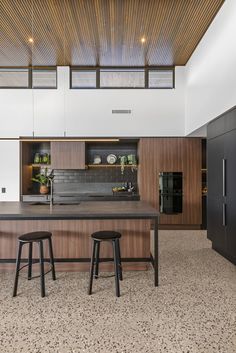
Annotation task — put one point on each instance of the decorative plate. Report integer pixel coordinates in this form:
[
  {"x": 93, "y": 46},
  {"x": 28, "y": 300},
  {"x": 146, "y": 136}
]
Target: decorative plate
[
  {"x": 111, "y": 159},
  {"x": 97, "y": 159}
]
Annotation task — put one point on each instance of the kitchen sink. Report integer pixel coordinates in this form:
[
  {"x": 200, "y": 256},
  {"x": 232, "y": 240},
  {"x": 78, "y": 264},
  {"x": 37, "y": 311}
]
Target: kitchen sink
[
  {"x": 66, "y": 203},
  {"x": 54, "y": 204}
]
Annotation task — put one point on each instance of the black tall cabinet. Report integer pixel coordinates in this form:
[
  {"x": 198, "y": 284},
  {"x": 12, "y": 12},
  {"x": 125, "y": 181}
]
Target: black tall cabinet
[{"x": 221, "y": 180}]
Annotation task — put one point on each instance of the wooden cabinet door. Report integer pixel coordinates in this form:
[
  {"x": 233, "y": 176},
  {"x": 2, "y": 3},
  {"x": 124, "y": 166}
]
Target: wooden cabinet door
[
  {"x": 216, "y": 201},
  {"x": 67, "y": 155},
  {"x": 230, "y": 155}
]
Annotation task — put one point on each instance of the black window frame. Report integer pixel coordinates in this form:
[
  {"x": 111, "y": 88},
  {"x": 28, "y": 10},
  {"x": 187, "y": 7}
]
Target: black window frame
[
  {"x": 42, "y": 68},
  {"x": 123, "y": 69},
  {"x": 162, "y": 68},
  {"x": 16, "y": 69},
  {"x": 146, "y": 75},
  {"x": 30, "y": 76},
  {"x": 87, "y": 69},
  {"x": 92, "y": 68}
]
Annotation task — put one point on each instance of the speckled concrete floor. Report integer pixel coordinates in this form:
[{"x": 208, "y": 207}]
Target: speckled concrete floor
[{"x": 193, "y": 310}]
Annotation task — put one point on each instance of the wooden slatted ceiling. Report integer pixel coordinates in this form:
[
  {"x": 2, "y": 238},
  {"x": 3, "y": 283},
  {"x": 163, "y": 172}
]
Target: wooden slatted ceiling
[{"x": 102, "y": 32}]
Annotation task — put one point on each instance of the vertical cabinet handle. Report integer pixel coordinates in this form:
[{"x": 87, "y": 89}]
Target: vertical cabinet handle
[
  {"x": 223, "y": 174},
  {"x": 224, "y": 215}
]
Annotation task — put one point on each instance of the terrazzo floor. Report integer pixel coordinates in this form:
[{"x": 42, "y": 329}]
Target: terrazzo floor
[{"x": 192, "y": 311}]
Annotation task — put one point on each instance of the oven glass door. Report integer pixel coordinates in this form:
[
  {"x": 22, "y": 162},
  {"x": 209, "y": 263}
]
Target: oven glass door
[{"x": 171, "y": 192}]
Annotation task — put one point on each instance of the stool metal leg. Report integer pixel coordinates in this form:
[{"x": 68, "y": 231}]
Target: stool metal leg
[
  {"x": 41, "y": 261},
  {"x": 120, "y": 265},
  {"x": 17, "y": 269},
  {"x": 97, "y": 260},
  {"x": 92, "y": 267},
  {"x": 116, "y": 266},
  {"x": 30, "y": 261},
  {"x": 51, "y": 258}
]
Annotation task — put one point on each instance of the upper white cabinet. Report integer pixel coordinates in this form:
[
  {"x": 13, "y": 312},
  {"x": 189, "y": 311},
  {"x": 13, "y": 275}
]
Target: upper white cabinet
[
  {"x": 49, "y": 107},
  {"x": 48, "y": 113},
  {"x": 85, "y": 113},
  {"x": 16, "y": 113}
]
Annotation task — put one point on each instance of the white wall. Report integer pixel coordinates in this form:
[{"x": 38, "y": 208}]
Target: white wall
[
  {"x": 211, "y": 71},
  {"x": 89, "y": 112},
  {"x": 200, "y": 132},
  {"x": 9, "y": 170},
  {"x": 154, "y": 112}
]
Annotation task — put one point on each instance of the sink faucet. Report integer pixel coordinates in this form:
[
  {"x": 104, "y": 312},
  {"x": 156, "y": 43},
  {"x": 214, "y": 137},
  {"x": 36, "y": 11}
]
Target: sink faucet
[{"x": 51, "y": 176}]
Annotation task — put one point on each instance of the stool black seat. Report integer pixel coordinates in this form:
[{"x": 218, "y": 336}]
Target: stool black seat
[
  {"x": 106, "y": 235},
  {"x": 30, "y": 238},
  {"x": 33, "y": 236},
  {"x": 113, "y": 237}
]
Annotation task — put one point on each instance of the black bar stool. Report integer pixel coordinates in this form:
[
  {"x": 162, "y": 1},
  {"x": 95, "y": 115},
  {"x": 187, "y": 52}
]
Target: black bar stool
[
  {"x": 97, "y": 238},
  {"x": 30, "y": 238}
]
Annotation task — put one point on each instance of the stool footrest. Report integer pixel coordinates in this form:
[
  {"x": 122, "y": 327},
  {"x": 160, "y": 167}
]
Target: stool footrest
[
  {"x": 45, "y": 273},
  {"x": 30, "y": 239},
  {"x": 34, "y": 263},
  {"x": 97, "y": 239},
  {"x": 108, "y": 276}
]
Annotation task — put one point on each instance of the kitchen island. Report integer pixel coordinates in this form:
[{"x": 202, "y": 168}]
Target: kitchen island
[{"x": 72, "y": 225}]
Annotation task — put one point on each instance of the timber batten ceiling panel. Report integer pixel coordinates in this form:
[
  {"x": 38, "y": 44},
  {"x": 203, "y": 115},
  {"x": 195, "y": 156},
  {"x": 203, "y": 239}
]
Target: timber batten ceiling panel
[{"x": 102, "y": 32}]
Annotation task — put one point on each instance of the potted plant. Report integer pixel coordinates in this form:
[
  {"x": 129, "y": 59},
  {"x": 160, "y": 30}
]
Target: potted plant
[
  {"x": 123, "y": 162},
  {"x": 44, "y": 180},
  {"x": 130, "y": 159}
]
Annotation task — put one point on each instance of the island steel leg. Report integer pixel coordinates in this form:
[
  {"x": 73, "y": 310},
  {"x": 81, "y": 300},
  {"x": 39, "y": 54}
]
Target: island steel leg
[{"x": 156, "y": 255}]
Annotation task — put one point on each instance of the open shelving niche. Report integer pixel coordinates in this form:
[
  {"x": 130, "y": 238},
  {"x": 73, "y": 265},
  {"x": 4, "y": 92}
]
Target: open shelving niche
[
  {"x": 120, "y": 148},
  {"x": 28, "y": 168},
  {"x": 97, "y": 148},
  {"x": 103, "y": 149}
]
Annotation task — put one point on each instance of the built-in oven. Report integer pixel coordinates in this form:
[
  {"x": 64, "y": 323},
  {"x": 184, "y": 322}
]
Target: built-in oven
[{"x": 171, "y": 192}]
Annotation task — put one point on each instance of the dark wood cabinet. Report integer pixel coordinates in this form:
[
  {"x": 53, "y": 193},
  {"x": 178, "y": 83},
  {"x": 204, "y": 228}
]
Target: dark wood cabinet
[
  {"x": 68, "y": 155},
  {"x": 221, "y": 152},
  {"x": 175, "y": 154}
]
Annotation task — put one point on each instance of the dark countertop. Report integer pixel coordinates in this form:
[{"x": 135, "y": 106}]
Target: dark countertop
[
  {"x": 85, "y": 210},
  {"x": 98, "y": 197},
  {"x": 79, "y": 197}
]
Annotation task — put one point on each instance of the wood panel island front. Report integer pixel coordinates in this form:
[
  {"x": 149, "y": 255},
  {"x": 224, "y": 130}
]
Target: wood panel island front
[{"x": 72, "y": 226}]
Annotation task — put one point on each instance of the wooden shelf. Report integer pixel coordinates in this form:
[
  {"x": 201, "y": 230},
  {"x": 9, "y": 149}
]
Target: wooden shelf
[
  {"x": 35, "y": 165},
  {"x": 110, "y": 166}
]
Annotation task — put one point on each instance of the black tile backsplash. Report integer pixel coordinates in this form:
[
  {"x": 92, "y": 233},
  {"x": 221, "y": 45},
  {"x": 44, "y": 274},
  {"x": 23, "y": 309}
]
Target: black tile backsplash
[
  {"x": 95, "y": 175},
  {"x": 90, "y": 181}
]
